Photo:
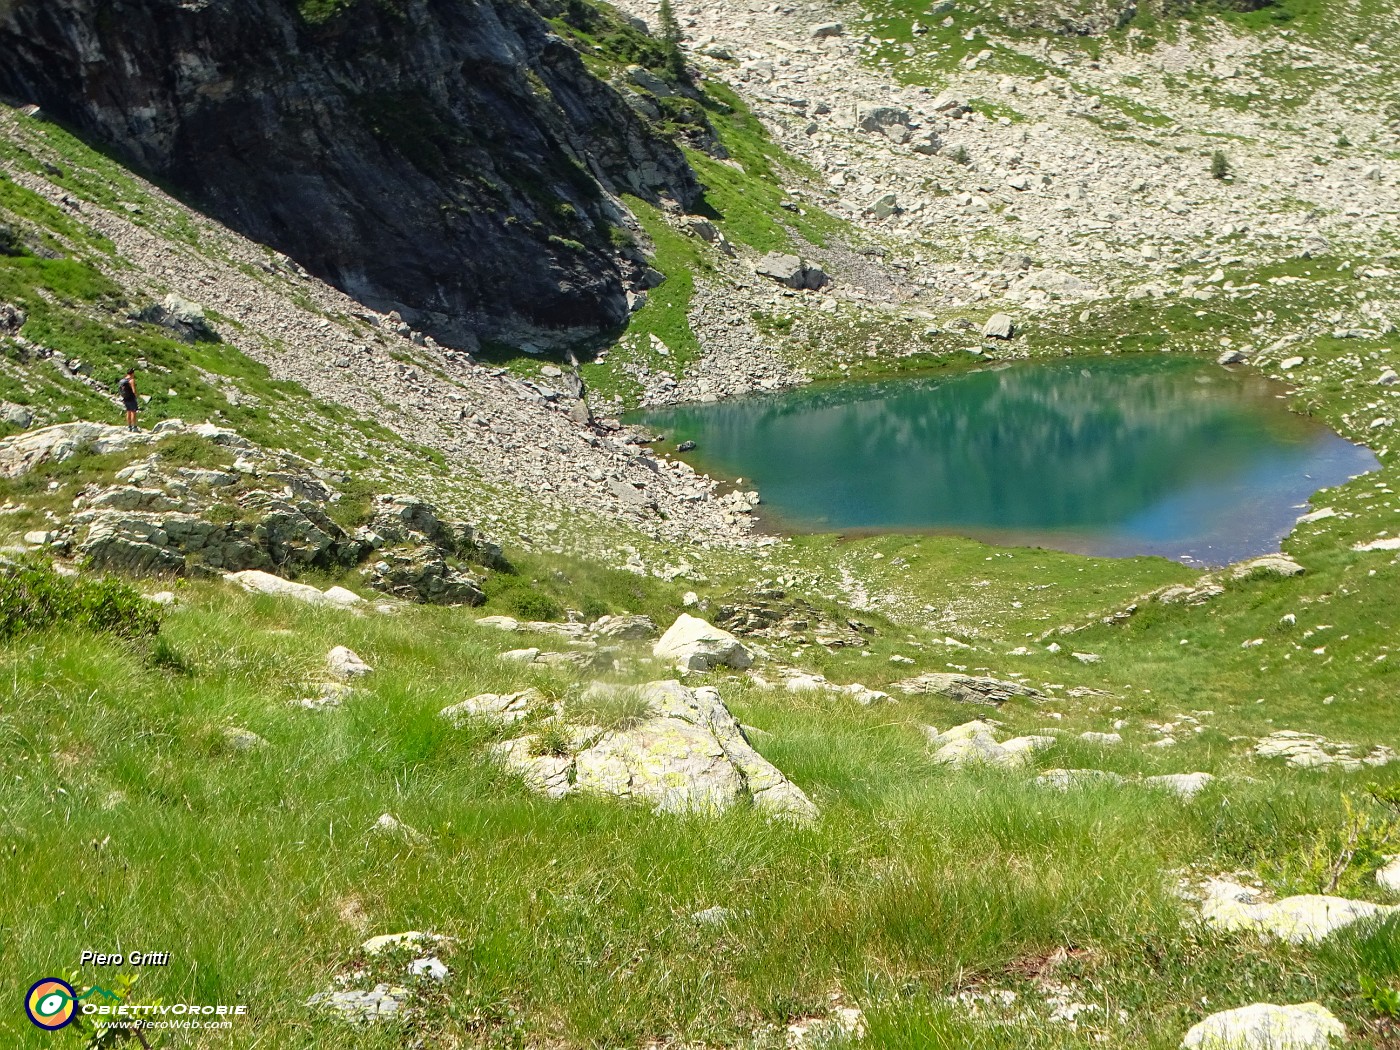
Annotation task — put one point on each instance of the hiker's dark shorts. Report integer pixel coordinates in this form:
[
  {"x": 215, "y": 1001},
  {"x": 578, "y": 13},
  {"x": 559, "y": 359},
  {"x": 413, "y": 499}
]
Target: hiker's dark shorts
[{"x": 129, "y": 403}]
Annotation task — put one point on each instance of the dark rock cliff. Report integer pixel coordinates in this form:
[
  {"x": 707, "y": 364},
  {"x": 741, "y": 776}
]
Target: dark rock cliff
[{"x": 450, "y": 158}]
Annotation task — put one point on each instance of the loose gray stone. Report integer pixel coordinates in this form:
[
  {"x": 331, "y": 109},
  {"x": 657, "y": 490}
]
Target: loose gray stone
[
  {"x": 999, "y": 326},
  {"x": 346, "y": 663}
]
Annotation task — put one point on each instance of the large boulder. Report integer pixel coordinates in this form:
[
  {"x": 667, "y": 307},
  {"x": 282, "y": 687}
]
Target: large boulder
[
  {"x": 626, "y": 628},
  {"x": 12, "y": 318},
  {"x": 878, "y": 118},
  {"x": 975, "y": 744},
  {"x": 181, "y": 316},
  {"x": 1264, "y": 1026},
  {"x": 503, "y": 708},
  {"x": 344, "y": 662},
  {"x": 999, "y": 326},
  {"x": 691, "y": 644},
  {"x": 792, "y": 271},
  {"x": 672, "y": 763},
  {"x": 687, "y": 753}
]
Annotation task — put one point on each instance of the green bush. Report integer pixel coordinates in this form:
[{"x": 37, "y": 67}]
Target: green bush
[
  {"x": 34, "y": 597},
  {"x": 529, "y": 604},
  {"x": 356, "y": 504},
  {"x": 1219, "y": 165},
  {"x": 553, "y": 740},
  {"x": 521, "y": 597}
]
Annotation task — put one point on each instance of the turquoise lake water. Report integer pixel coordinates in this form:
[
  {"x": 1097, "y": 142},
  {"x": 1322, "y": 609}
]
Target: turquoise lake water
[{"x": 1146, "y": 455}]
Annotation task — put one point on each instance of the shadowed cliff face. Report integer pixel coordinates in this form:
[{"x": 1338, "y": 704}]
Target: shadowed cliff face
[{"x": 446, "y": 157}]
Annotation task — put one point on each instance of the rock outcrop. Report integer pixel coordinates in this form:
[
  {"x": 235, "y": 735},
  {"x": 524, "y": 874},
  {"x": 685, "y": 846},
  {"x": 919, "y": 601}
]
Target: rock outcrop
[
  {"x": 966, "y": 688},
  {"x": 265, "y": 512},
  {"x": 687, "y": 753},
  {"x": 791, "y": 271},
  {"x": 456, "y": 162}
]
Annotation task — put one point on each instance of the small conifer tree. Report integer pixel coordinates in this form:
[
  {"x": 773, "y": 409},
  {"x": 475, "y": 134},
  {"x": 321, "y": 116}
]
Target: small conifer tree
[{"x": 671, "y": 41}]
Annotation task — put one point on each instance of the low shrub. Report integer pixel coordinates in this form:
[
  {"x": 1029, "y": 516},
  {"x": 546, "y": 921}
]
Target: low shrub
[{"x": 33, "y": 597}]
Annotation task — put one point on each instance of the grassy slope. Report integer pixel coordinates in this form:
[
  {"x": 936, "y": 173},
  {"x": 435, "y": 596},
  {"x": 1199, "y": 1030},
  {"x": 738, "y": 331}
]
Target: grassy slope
[{"x": 259, "y": 871}]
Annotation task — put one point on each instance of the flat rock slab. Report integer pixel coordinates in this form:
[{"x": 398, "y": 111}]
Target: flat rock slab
[
  {"x": 22, "y": 453},
  {"x": 1311, "y": 751},
  {"x": 364, "y": 1007},
  {"x": 966, "y": 688},
  {"x": 255, "y": 581},
  {"x": 815, "y": 683},
  {"x": 1264, "y": 1026},
  {"x": 411, "y": 938},
  {"x": 1385, "y": 543},
  {"x": 1298, "y": 920},
  {"x": 1268, "y": 565}
]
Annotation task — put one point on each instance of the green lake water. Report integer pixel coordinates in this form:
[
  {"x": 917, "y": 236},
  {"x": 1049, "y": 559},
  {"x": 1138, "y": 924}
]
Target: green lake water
[{"x": 1122, "y": 456}]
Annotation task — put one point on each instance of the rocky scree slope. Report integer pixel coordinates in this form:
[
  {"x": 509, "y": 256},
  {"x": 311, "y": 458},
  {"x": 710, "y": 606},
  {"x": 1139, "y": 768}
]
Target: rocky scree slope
[
  {"x": 1050, "y": 173},
  {"x": 456, "y": 162}
]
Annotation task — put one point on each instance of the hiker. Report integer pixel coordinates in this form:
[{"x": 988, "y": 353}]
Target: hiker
[{"x": 128, "y": 390}]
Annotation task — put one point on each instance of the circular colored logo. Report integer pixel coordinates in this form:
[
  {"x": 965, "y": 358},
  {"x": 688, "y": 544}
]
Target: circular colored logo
[{"x": 51, "y": 1004}]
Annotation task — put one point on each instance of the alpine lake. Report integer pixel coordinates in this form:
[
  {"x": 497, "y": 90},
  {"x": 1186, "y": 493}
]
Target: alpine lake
[{"x": 1155, "y": 455}]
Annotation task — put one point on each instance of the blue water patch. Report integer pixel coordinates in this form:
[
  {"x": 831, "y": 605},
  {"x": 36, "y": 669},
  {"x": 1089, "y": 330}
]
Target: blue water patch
[{"x": 1125, "y": 456}]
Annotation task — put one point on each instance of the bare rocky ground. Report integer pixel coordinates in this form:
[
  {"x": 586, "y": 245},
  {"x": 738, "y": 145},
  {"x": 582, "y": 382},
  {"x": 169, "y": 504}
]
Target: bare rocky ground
[{"x": 1092, "y": 173}]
